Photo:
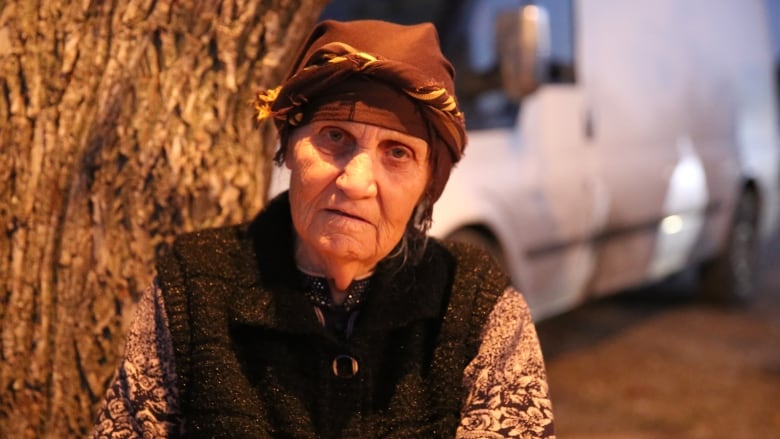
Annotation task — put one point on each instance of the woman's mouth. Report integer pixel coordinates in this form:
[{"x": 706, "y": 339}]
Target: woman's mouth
[{"x": 346, "y": 214}]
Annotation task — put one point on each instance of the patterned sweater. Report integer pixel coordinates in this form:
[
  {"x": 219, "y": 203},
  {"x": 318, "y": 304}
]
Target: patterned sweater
[{"x": 506, "y": 384}]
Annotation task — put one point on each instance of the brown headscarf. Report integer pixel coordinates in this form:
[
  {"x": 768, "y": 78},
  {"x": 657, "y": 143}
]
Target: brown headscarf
[{"x": 379, "y": 73}]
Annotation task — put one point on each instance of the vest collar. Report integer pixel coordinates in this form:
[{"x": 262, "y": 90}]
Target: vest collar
[{"x": 271, "y": 299}]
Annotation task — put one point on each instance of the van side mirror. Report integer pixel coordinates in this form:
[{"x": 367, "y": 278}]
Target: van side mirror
[{"x": 523, "y": 38}]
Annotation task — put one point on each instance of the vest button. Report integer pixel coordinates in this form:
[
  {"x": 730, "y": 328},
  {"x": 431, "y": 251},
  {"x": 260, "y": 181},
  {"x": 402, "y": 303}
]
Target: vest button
[{"x": 345, "y": 366}]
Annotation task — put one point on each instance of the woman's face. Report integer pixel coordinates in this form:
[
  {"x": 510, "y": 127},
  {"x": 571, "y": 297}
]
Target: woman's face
[{"x": 353, "y": 188}]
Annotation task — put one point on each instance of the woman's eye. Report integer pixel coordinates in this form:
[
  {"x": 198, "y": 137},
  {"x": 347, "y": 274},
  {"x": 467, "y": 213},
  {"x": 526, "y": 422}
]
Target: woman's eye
[
  {"x": 334, "y": 141},
  {"x": 334, "y": 135},
  {"x": 400, "y": 153}
]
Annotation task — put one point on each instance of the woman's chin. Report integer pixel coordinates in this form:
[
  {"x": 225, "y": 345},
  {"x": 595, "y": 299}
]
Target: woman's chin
[{"x": 342, "y": 249}]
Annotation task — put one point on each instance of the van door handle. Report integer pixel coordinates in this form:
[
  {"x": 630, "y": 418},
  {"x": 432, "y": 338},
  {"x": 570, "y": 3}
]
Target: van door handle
[{"x": 588, "y": 122}]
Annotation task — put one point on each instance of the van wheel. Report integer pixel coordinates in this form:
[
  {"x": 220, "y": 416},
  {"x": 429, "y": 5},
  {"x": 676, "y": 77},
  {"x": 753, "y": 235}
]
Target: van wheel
[
  {"x": 731, "y": 276},
  {"x": 481, "y": 239}
]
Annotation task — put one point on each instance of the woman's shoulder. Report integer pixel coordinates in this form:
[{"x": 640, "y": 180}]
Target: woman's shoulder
[
  {"x": 216, "y": 240},
  {"x": 203, "y": 249},
  {"x": 474, "y": 261},
  {"x": 209, "y": 237}
]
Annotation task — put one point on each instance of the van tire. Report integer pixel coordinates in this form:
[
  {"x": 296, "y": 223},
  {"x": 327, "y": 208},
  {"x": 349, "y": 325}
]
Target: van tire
[
  {"x": 481, "y": 239},
  {"x": 731, "y": 277}
]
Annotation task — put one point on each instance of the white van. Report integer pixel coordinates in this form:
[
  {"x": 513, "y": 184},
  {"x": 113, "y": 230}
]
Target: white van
[{"x": 612, "y": 143}]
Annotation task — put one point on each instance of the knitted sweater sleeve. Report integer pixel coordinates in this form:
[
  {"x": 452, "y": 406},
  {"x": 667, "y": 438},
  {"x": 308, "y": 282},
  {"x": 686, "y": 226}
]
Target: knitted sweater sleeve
[
  {"x": 142, "y": 399},
  {"x": 507, "y": 394}
]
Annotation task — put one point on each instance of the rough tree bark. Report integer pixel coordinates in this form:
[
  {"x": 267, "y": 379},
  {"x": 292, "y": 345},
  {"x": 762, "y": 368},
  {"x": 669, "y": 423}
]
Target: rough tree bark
[{"x": 121, "y": 124}]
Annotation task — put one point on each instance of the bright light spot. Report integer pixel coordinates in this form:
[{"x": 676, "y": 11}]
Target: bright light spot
[
  {"x": 531, "y": 12},
  {"x": 672, "y": 224}
]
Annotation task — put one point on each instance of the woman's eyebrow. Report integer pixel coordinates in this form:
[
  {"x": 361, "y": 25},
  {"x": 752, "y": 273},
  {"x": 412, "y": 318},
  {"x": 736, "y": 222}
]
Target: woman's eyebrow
[{"x": 408, "y": 140}]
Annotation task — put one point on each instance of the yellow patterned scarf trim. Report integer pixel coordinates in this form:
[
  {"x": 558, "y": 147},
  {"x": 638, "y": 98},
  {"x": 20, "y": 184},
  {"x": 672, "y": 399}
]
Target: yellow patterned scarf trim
[
  {"x": 435, "y": 97},
  {"x": 263, "y": 102}
]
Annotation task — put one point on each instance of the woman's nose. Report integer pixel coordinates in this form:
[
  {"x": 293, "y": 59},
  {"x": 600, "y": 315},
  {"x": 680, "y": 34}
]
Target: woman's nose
[{"x": 357, "y": 179}]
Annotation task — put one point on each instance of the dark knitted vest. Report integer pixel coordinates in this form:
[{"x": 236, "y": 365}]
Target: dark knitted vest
[{"x": 253, "y": 361}]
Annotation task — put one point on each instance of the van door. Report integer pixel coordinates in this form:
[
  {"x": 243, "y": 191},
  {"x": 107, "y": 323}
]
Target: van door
[
  {"x": 634, "y": 69},
  {"x": 567, "y": 205}
]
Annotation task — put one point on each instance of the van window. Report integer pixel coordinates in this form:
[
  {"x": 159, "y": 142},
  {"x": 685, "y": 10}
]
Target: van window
[
  {"x": 397, "y": 11},
  {"x": 467, "y": 33},
  {"x": 561, "y": 15}
]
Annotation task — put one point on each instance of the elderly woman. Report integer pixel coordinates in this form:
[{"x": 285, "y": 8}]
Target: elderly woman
[{"x": 332, "y": 315}]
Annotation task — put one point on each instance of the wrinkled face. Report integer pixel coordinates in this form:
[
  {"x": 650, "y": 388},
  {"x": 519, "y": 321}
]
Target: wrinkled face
[{"x": 353, "y": 189}]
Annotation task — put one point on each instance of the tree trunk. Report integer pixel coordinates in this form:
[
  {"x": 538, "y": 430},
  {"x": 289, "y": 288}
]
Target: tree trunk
[{"x": 121, "y": 124}]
